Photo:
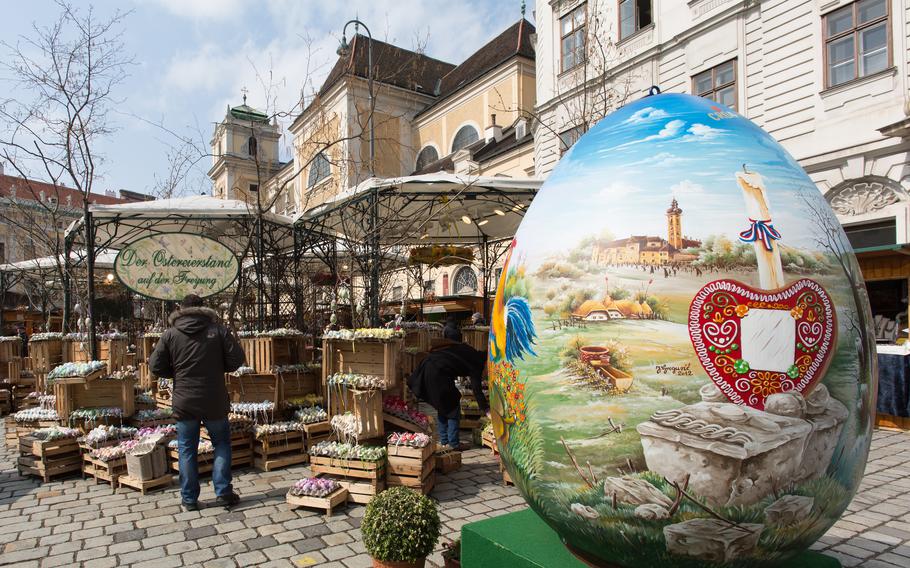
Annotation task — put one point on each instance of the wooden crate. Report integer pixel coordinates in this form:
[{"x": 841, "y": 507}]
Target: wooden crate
[
  {"x": 366, "y": 405},
  {"x": 489, "y": 440},
  {"x": 97, "y": 393},
  {"x": 348, "y": 468},
  {"x": 16, "y": 430},
  {"x": 147, "y": 485},
  {"x": 113, "y": 352},
  {"x": 6, "y": 401},
  {"x": 266, "y": 353},
  {"x": 241, "y": 447},
  {"x": 11, "y": 370},
  {"x": 11, "y": 432},
  {"x": 448, "y": 461},
  {"x": 253, "y": 388},
  {"x": 109, "y": 471},
  {"x": 31, "y": 446},
  {"x": 477, "y": 337},
  {"x": 297, "y": 384},
  {"x": 10, "y": 350},
  {"x": 80, "y": 380},
  {"x": 326, "y": 503},
  {"x": 279, "y": 450},
  {"x": 359, "y": 490},
  {"x": 145, "y": 347},
  {"x": 411, "y": 467},
  {"x": 421, "y": 338},
  {"x": 45, "y": 355},
  {"x": 394, "y": 423},
  {"x": 204, "y": 462},
  {"x": 889, "y": 422},
  {"x": 46, "y": 468},
  {"x": 410, "y": 362},
  {"x": 147, "y": 380},
  {"x": 163, "y": 398},
  {"x": 380, "y": 358},
  {"x": 75, "y": 351}
]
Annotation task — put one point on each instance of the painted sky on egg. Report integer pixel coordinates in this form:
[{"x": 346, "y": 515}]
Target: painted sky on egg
[{"x": 621, "y": 176}]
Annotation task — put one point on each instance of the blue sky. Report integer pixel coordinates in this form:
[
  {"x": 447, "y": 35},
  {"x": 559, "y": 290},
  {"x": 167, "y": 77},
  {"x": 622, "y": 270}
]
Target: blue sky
[
  {"x": 194, "y": 56},
  {"x": 621, "y": 176}
]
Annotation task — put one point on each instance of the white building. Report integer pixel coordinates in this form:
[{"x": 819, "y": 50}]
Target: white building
[{"x": 829, "y": 80}]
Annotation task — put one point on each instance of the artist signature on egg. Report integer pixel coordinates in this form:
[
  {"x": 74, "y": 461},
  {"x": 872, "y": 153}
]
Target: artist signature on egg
[{"x": 676, "y": 370}]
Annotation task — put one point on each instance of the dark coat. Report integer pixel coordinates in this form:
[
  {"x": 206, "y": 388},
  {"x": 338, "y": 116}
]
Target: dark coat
[
  {"x": 196, "y": 351},
  {"x": 434, "y": 379}
]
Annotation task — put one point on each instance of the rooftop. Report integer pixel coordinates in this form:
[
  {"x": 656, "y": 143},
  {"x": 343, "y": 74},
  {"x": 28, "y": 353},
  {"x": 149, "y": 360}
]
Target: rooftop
[{"x": 29, "y": 189}]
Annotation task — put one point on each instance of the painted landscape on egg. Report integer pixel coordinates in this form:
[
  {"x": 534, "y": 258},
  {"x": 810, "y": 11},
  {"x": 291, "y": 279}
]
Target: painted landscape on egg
[{"x": 646, "y": 415}]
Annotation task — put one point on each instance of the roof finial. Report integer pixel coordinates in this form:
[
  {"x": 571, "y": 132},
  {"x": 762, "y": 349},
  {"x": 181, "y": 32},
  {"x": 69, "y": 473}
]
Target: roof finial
[
  {"x": 244, "y": 91},
  {"x": 522, "y": 9}
]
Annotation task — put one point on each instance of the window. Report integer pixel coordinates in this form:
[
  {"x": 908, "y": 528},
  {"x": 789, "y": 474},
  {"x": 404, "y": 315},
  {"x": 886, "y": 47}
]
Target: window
[
  {"x": 572, "y": 34},
  {"x": 397, "y": 292},
  {"x": 429, "y": 286},
  {"x": 320, "y": 169},
  {"x": 465, "y": 282},
  {"x": 251, "y": 145},
  {"x": 254, "y": 187},
  {"x": 568, "y": 138},
  {"x": 2, "y": 253},
  {"x": 874, "y": 234},
  {"x": 633, "y": 16},
  {"x": 465, "y": 136},
  {"x": 717, "y": 84},
  {"x": 856, "y": 41},
  {"x": 426, "y": 157}
]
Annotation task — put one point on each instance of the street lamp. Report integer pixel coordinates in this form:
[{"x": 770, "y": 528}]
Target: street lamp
[{"x": 343, "y": 49}]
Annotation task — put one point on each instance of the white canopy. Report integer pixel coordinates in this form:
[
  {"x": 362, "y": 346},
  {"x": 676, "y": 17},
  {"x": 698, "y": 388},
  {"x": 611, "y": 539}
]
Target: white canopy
[
  {"x": 104, "y": 260},
  {"x": 429, "y": 208},
  {"x": 226, "y": 220}
]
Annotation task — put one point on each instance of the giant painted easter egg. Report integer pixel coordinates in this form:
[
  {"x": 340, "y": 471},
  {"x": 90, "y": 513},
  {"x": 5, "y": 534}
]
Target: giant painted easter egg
[{"x": 681, "y": 372}]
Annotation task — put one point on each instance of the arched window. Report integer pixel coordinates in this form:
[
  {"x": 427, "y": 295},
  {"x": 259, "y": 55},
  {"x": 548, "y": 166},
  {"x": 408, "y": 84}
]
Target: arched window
[
  {"x": 320, "y": 169},
  {"x": 465, "y": 282},
  {"x": 251, "y": 145},
  {"x": 426, "y": 157},
  {"x": 465, "y": 136}
]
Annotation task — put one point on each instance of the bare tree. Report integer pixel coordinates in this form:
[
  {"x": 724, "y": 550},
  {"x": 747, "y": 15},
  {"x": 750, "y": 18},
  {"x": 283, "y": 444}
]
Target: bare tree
[{"x": 64, "y": 78}]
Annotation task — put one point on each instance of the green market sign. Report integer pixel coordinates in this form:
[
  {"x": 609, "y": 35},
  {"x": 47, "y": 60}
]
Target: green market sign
[{"x": 170, "y": 266}]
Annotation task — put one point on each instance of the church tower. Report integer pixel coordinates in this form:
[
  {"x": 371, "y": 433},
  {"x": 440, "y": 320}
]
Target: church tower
[
  {"x": 243, "y": 140},
  {"x": 674, "y": 225}
]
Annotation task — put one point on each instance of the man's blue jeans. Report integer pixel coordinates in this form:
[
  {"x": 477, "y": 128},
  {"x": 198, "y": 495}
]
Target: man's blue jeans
[
  {"x": 448, "y": 431},
  {"x": 188, "y": 448}
]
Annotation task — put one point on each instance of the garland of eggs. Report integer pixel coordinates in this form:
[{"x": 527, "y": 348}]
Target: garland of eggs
[
  {"x": 46, "y": 336},
  {"x": 264, "y": 430},
  {"x": 346, "y": 427},
  {"x": 205, "y": 447},
  {"x": 357, "y": 381},
  {"x": 34, "y": 414},
  {"x": 101, "y": 434},
  {"x": 372, "y": 333},
  {"x": 304, "y": 401},
  {"x": 154, "y": 414},
  {"x": 114, "y": 452},
  {"x": 241, "y": 371},
  {"x": 9, "y": 338},
  {"x": 311, "y": 415},
  {"x": 76, "y": 369},
  {"x": 166, "y": 430},
  {"x": 255, "y": 410},
  {"x": 55, "y": 433}
]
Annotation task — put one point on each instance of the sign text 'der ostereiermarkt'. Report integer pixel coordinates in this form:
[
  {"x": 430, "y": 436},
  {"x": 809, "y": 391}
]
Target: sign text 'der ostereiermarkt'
[{"x": 171, "y": 265}]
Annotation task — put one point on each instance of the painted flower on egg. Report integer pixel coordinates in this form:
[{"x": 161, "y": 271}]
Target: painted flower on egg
[{"x": 680, "y": 365}]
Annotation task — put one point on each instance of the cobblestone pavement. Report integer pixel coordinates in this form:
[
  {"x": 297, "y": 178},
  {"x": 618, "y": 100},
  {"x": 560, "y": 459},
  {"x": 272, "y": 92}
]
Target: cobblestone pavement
[{"x": 74, "y": 522}]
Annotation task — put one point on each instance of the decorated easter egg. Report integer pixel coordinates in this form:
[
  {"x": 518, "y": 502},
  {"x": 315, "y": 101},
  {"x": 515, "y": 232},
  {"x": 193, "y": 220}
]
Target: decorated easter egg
[{"x": 680, "y": 363}]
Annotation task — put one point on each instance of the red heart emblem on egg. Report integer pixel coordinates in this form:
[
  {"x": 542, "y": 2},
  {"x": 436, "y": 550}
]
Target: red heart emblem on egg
[{"x": 754, "y": 343}]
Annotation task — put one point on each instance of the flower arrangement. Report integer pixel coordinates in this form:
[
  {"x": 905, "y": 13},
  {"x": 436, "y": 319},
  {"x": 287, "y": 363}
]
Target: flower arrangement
[
  {"x": 400, "y": 525},
  {"x": 311, "y": 415},
  {"x": 241, "y": 371},
  {"x": 45, "y": 336},
  {"x": 102, "y": 434},
  {"x": 314, "y": 487},
  {"x": 94, "y": 414},
  {"x": 304, "y": 401},
  {"x": 264, "y": 430},
  {"x": 114, "y": 452},
  {"x": 281, "y": 332},
  {"x": 9, "y": 338},
  {"x": 399, "y": 408},
  {"x": 153, "y": 414},
  {"x": 375, "y": 333},
  {"x": 341, "y": 450},
  {"x": 145, "y": 398},
  {"x": 111, "y": 336},
  {"x": 166, "y": 430},
  {"x": 76, "y": 369},
  {"x": 357, "y": 381},
  {"x": 55, "y": 433},
  {"x": 409, "y": 439},
  {"x": 33, "y": 414}
]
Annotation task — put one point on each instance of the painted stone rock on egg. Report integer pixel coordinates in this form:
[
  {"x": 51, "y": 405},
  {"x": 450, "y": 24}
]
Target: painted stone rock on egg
[{"x": 681, "y": 371}]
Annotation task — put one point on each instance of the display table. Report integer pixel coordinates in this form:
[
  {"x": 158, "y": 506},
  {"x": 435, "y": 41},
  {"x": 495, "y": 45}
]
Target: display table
[
  {"x": 523, "y": 540},
  {"x": 893, "y": 381}
]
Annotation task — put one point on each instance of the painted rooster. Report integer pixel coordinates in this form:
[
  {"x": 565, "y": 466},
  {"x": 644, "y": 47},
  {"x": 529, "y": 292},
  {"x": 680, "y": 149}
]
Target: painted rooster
[{"x": 512, "y": 331}]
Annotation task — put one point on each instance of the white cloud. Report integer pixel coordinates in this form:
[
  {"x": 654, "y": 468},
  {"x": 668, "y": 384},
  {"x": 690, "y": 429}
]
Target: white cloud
[
  {"x": 204, "y": 10},
  {"x": 645, "y": 115},
  {"x": 616, "y": 191},
  {"x": 669, "y": 130},
  {"x": 701, "y": 132},
  {"x": 686, "y": 188}
]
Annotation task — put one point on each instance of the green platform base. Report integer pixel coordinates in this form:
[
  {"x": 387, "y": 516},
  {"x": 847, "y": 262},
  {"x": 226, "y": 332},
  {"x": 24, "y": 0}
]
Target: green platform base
[{"x": 523, "y": 540}]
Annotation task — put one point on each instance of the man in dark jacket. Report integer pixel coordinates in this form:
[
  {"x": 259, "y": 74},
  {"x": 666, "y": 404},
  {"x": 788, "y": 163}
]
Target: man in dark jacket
[
  {"x": 196, "y": 351},
  {"x": 434, "y": 382}
]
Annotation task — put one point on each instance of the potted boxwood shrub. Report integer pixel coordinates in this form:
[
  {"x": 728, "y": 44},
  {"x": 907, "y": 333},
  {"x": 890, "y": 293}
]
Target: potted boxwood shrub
[
  {"x": 451, "y": 553},
  {"x": 400, "y": 528}
]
